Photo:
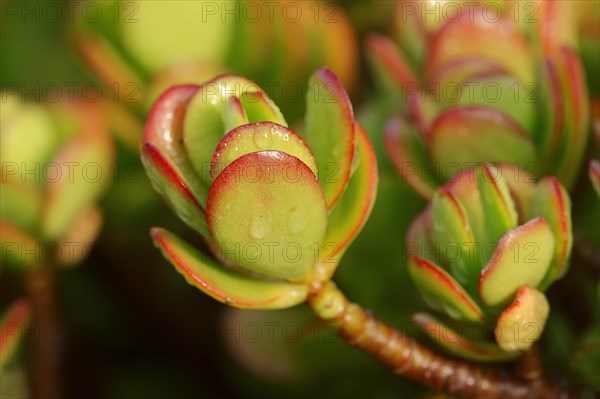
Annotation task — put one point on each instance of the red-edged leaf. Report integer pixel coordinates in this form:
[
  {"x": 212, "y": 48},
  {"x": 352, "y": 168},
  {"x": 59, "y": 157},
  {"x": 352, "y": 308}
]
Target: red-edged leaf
[
  {"x": 463, "y": 345},
  {"x": 164, "y": 130},
  {"x": 479, "y": 31},
  {"x": 225, "y": 285},
  {"x": 552, "y": 202},
  {"x": 463, "y": 136},
  {"x": 389, "y": 65},
  {"x": 353, "y": 209},
  {"x": 266, "y": 212},
  {"x": 168, "y": 180},
  {"x": 521, "y": 324},
  {"x": 442, "y": 292},
  {"x": 84, "y": 171},
  {"x": 330, "y": 132},
  {"x": 260, "y": 136},
  {"x": 522, "y": 257},
  {"x": 408, "y": 154}
]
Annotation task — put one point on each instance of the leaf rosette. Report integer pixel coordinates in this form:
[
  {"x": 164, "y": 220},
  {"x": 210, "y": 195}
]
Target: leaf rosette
[
  {"x": 483, "y": 253},
  {"x": 277, "y": 209}
]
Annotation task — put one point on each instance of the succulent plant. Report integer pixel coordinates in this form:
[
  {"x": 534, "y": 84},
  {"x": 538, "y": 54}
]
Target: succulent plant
[
  {"x": 483, "y": 252},
  {"x": 513, "y": 91},
  {"x": 140, "y": 48},
  {"x": 276, "y": 209},
  {"x": 56, "y": 161}
]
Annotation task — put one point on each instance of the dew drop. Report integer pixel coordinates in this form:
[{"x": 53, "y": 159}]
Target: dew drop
[
  {"x": 262, "y": 139},
  {"x": 259, "y": 227}
]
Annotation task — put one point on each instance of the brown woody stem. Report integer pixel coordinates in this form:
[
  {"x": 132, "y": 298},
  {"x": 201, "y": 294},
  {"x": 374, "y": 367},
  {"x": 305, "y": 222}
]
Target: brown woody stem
[
  {"x": 45, "y": 340},
  {"x": 407, "y": 357}
]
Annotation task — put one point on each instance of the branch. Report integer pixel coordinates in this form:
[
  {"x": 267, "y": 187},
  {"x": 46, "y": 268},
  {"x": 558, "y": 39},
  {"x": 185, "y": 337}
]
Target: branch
[
  {"x": 407, "y": 357},
  {"x": 45, "y": 340}
]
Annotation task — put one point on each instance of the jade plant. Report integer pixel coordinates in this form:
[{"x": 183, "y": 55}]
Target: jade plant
[
  {"x": 483, "y": 253},
  {"x": 276, "y": 208},
  {"x": 275, "y": 211},
  {"x": 277, "y": 44},
  {"x": 56, "y": 163},
  {"x": 521, "y": 101}
]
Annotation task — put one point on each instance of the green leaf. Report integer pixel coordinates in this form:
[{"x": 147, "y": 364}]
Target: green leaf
[
  {"x": 576, "y": 103},
  {"x": 479, "y": 32},
  {"x": 350, "y": 214},
  {"x": 330, "y": 132},
  {"x": 462, "y": 343},
  {"x": 391, "y": 69},
  {"x": 498, "y": 206},
  {"x": 522, "y": 257},
  {"x": 521, "y": 324},
  {"x": 260, "y": 136},
  {"x": 84, "y": 171},
  {"x": 168, "y": 180},
  {"x": 442, "y": 292},
  {"x": 234, "y": 114},
  {"x": 407, "y": 151},
  {"x": 225, "y": 285},
  {"x": 181, "y": 24},
  {"x": 204, "y": 125},
  {"x": 164, "y": 130},
  {"x": 552, "y": 203},
  {"x": 261, "y": 108},
  {"x": 266, "y": 212},
  {"x": 453, "y": 238},
  {"x": 463, "y": 136}
]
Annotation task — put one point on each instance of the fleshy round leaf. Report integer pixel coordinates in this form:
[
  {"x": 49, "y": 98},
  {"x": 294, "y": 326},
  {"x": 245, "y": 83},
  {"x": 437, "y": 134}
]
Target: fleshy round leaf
[
  {"x": 234, "y": 114},
  {"x": 204, "y": 125},
  {"x": 13, "y": 327},
  {"x": 522, "y": 323},
  {"x": 479, "y": 31},
  {"x": 462, "y": 345},
  {"x": 225, "y": 285},
  {"x": 353, "y": 209},
  {"x": 552, "y": 202},
  {"x": 390, "y": 67},
  {"x": 261, "y": 108},
  {"x": 330, "y": 132},
  {"x": 177, "y": 37},
  {"x": 453, "y": 239},
  {"x": 260, "y": 136},
  {"x": 168, "y": 180},
  {"x": 464, "y": 187},
  {"x": 523, "y": 257},
  {"x": 164, "y": 130},
  {"x": 83, "y": 172},
  {"x": 466, "y": 135},
  {"x": 442, "y": 292},
  {"x": 266, "y": 212},
  {"x": 576, "y": 105},
  {"x": 407, "y": 151},
  {"x": 499, "y": 210}
]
